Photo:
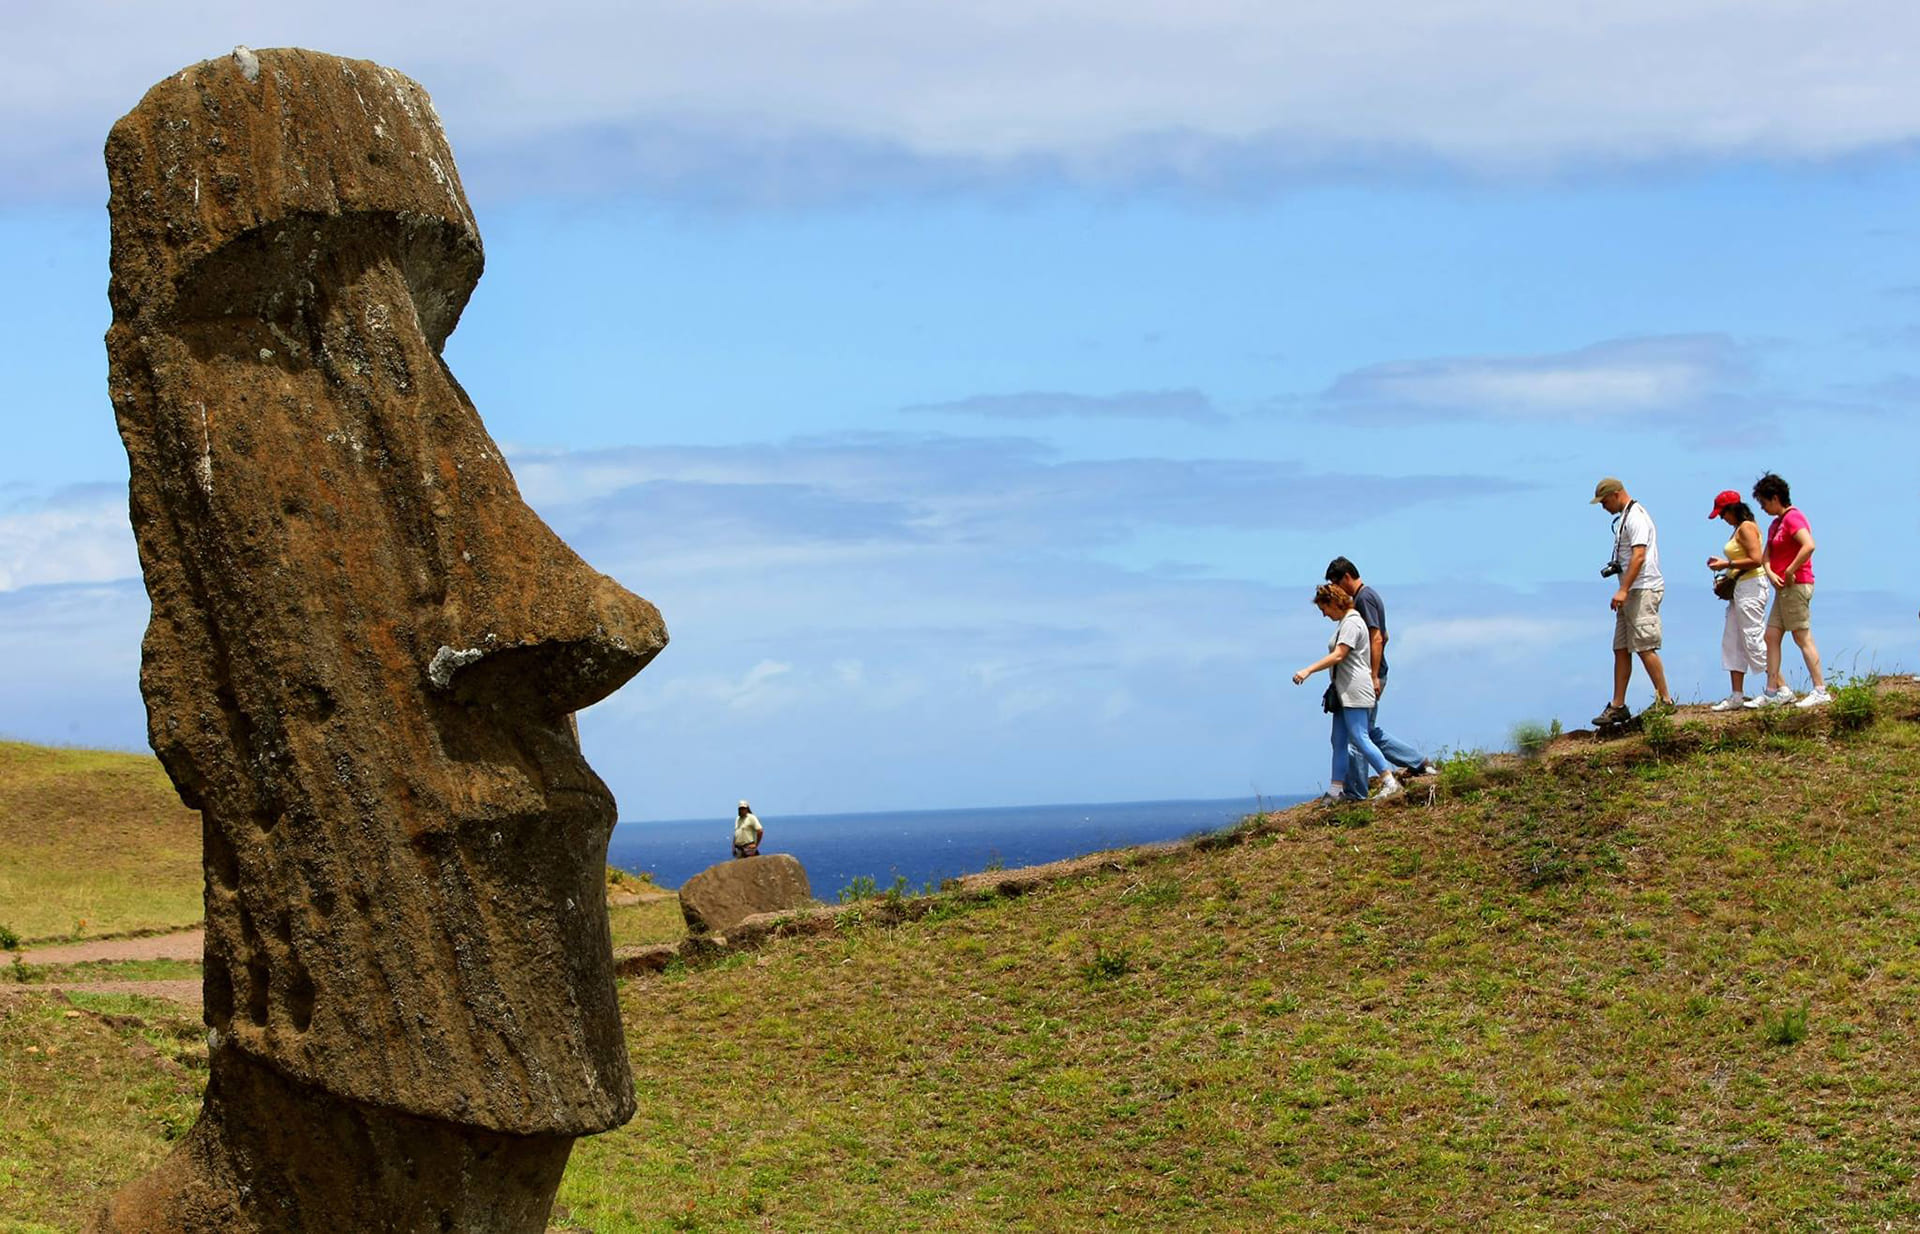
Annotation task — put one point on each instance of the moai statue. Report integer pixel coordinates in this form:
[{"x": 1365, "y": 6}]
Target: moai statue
[{"x": 363, "y": 662}]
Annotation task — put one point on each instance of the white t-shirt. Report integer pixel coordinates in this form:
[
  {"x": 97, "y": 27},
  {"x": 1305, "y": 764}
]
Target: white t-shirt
[
  {"x": 1636, "y": 528},
  {"x": 1353, "y": 676}
]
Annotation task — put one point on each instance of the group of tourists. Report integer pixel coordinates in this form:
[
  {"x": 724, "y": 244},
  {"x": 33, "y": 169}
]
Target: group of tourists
[{"x": 1765, "y": 580}]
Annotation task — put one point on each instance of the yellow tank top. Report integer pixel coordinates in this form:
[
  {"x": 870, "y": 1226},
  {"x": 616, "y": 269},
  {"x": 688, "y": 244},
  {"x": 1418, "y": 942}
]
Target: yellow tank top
[{"x": 1732, "y": 548}]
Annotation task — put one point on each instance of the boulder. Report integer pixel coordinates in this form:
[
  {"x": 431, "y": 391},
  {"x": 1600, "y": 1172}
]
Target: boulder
[
  {"x": 361, "y": 666},
  {"x": 719, "y": 897}
]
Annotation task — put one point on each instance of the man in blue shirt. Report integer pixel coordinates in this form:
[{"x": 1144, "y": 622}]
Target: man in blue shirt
[{"x": 1373, "y": 610}]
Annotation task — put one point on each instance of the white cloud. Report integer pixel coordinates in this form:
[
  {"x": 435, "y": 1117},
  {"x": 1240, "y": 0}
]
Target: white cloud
[
  {"x": 1676, "y": 373},
  {"x": 76, "y": 535},
  {"x": 797, "y": 98},
  {"x": 1507, "y": 636},
  {"x": 765, "y": 687}
]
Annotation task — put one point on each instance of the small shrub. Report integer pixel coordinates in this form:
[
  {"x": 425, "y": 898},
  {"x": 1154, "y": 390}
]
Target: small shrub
[
  {"x": 1463, "y": 771},
  {"x": 1531, "y": 738},
  {"x": 1788, "y": 1028},
  {"x": 1656, "y": 725},
  {"x": 9, "y": 941},
  {"x": 1855, "y": 705},
  {"x": 1107, "y": 965},
  {"x": 861, "y": 888}
]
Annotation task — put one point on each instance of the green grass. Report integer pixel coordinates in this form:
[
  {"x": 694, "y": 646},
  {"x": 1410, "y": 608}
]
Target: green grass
[
  {"x": 89, "y": 1102},
  {"x": 654, "y": 921},
  {"x": 103, "y": 970},
  {"x": 1702, "y": 1019},
  {"x": 93, "y": 843},
  {"x": 1605, "y": 987}
]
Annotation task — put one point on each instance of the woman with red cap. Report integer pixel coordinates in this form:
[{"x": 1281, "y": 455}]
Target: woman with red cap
[{"x": 1743, "y": 641}]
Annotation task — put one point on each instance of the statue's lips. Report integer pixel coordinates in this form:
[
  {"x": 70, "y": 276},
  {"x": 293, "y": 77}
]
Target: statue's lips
[{"x": 596, "y": 800}]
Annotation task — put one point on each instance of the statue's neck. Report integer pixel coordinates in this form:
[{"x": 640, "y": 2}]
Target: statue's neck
[{"x": 269, "y": 1154}]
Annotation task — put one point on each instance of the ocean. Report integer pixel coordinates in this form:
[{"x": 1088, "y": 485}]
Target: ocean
[{"x": 923, "y": 846}]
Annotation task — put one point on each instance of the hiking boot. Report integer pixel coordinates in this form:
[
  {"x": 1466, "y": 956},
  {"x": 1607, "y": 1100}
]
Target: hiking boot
[
  {"x": 1732, "y": 702},
  {"x": 1819, "y": 698},
  {"x": 1422, "y": 768},
  {"x": 1771, "y": 698},
  {"x": 1612, "y": 714},
  {"x": 1661, "y": 706},
  {"x": 1389, "y": 787}
]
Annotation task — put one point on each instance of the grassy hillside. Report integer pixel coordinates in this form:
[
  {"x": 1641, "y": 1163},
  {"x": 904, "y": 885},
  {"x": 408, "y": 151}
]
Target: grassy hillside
[
  {"x": 92, "y": 843},
  {"x": 1668, "y": 982}
]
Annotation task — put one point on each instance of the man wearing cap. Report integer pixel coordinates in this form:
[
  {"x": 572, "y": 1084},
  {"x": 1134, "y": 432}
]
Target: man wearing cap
[
  {"x": 746, "y": 833},
  {"x": 1636, "y": 602}
]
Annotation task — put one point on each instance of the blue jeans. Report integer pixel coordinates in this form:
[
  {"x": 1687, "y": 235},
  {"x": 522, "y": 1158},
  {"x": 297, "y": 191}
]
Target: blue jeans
[
  {"x": 1391, "y": 748},
  {"x": 1350, "y": 729}
]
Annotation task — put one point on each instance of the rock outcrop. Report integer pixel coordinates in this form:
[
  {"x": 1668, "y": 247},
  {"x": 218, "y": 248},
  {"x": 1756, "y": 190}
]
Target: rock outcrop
[
  {"x": 362, "y": 662},
  {"x": 720, "y": 897}
]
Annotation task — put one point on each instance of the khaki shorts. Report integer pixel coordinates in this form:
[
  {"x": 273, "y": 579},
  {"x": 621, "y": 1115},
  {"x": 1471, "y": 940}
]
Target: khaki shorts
[
  {"x": 1636, "y": 624},
  {"x": 1792, "y": 607}
]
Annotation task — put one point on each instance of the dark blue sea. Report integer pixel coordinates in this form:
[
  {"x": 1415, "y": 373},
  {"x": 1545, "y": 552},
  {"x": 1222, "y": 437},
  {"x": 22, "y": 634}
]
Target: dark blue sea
[{"x": 923, "y": 846}]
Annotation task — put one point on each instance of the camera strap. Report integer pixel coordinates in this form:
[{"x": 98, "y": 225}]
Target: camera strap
[{"x": 1620, "y": 525}]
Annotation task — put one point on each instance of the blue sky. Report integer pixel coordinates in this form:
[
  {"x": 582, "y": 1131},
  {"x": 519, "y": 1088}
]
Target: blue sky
[{"x": 980, "y": 390}]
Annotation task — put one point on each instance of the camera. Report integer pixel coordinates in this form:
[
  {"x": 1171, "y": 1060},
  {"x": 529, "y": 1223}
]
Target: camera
[{"x": 1610, "y": 569}]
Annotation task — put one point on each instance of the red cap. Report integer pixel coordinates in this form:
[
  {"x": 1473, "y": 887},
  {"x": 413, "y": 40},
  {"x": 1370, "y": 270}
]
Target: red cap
[{"x": 1727, "y": 498}]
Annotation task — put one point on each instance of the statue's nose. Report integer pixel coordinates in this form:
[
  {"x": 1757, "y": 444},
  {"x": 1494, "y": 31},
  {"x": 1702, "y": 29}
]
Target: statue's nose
[{"x": 580, "y": 639}]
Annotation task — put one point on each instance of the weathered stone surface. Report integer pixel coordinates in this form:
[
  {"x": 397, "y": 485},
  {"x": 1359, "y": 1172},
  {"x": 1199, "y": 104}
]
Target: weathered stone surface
[
  {"x": 722, "y": 895},
  {"x": 364, "y": 650}
]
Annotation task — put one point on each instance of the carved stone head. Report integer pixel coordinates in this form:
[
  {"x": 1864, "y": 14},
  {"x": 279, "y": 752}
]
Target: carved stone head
[{"x": 365, "y": 650}]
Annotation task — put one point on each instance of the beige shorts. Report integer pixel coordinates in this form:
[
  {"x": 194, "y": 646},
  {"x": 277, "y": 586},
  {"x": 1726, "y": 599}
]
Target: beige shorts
[
  {"x": 1636, "y": 624},
  {"x": 1792, "y": 607}
]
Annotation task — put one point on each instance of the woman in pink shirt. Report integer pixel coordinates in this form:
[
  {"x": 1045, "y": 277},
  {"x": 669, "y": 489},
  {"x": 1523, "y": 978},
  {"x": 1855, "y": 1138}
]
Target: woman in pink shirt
[{"x": 1790, "y": 570}]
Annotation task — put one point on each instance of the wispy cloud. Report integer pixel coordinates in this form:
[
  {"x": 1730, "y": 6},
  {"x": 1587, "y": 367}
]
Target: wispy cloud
[
  {"x": 73, "y": 535},
  {"x": 1189, "y": 405},
  {"x": 917, "y": 491},
  {"x": 766, "y": 100},
  {"x": 1669, "y": 375}
]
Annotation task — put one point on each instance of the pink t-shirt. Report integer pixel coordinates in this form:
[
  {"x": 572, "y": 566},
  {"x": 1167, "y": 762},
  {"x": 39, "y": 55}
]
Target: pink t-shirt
[{"x": 1782, "y": 548}]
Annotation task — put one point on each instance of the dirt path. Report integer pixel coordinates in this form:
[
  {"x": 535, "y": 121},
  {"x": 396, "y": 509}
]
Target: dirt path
[{"x": 184, "y": 945}]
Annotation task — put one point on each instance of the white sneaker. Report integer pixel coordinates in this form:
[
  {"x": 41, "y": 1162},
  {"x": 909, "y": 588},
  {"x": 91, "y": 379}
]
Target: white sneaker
[
  {"x": 1389, "y": 787},
  {"x": 1772, "y": 698},
  {"x": 1732, "y": 702},
  {"x": 1819, "y": 698}
]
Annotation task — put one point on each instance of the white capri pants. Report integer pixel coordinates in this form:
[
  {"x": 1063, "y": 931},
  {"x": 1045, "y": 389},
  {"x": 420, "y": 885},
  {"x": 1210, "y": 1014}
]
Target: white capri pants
[{"x": 1743, "y": 643}]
